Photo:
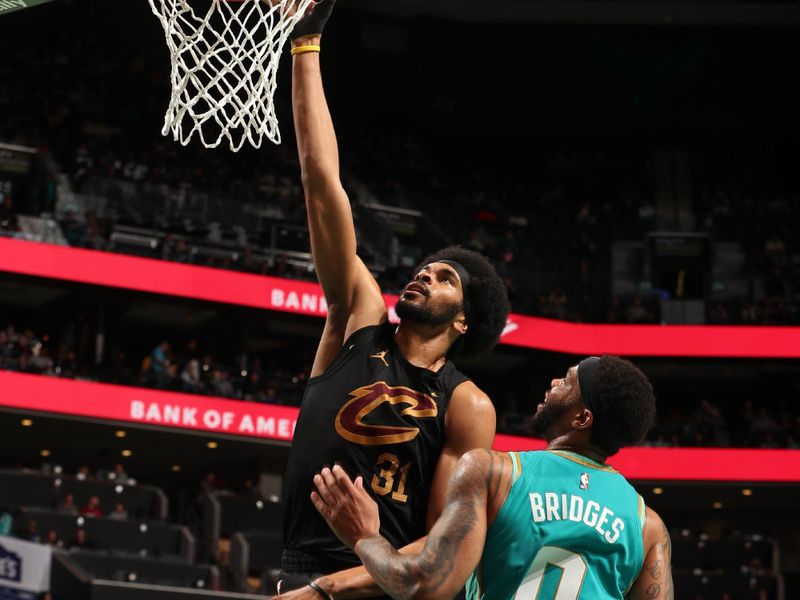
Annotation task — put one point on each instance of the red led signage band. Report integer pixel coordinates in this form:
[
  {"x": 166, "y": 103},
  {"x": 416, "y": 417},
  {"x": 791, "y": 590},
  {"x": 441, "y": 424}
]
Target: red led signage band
[
  {"x": 272, "y": 293},
  {"x": 266, "y": 421}
]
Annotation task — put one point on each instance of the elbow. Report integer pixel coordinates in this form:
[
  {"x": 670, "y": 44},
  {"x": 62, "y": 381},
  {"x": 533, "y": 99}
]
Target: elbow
[
  {"x": 317, "y": 176},
  {"x": 318, "y": 186},
  {"x": 419, "y": 590},
  {"x": 423, "y": 584},
  {"x": 414, "y": 590}
]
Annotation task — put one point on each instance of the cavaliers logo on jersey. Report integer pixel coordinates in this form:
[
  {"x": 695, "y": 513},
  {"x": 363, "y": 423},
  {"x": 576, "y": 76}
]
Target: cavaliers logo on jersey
[{"x": 367, "y": 399}]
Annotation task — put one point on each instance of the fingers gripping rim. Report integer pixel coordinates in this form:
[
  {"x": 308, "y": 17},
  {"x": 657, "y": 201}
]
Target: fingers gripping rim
[{"x": 224, "y": 68}]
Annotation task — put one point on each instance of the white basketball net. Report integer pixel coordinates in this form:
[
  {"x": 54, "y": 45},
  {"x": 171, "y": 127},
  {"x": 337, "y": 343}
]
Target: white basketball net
[{"x": 224, "y": 68}]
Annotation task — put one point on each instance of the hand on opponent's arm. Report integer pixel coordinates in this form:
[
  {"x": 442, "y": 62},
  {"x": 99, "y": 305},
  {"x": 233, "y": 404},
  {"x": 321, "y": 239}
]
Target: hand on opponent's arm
[{"x": 452, "y": 549}]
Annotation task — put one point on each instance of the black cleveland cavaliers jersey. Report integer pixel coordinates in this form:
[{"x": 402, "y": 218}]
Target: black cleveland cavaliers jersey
[{"x": 380, "y": 417}]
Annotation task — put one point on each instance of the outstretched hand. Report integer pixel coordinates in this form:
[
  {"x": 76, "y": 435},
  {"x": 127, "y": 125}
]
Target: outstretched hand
[
  {"x": 346, "y": 506},
  {"x": 313, "y": 22}
]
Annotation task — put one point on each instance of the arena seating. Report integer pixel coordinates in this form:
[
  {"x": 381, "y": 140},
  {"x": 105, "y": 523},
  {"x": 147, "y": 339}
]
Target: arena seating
[
  {"x": 255, "y": 559},
  {"x": 18, "y": 489},
  {"x": 146, "y": 538},
  {"x": 224, "y": 515},
  {"x": 714, "y": 587},
  {"x": 744, "y": 566},
  {"x": 100, "y": 576}
]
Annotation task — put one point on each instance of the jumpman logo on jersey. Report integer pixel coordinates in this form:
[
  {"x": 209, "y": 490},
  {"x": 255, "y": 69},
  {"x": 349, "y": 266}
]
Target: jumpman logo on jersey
[{"x": 381, "y": 356}]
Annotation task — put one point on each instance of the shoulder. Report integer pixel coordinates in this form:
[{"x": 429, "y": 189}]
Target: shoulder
[
  {"x": 483, "y": 464},
  {"x": 468, "y": 397},
  {"x": 470, "y": 420}
]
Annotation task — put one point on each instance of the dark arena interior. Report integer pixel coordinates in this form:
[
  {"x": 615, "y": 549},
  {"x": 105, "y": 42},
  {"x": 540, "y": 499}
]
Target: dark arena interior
[{"x": 631, "y": 169}]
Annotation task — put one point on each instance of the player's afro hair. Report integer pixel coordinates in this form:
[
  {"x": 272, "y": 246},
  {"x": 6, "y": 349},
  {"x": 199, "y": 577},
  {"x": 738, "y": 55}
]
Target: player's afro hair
[
  {"x": 486, "y": 304},
  {"x": 629, "y": 404}
]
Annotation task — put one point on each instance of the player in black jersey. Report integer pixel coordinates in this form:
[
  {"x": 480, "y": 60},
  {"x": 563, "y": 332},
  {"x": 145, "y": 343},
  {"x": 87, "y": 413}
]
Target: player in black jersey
[{"x": 384, "y": 401}]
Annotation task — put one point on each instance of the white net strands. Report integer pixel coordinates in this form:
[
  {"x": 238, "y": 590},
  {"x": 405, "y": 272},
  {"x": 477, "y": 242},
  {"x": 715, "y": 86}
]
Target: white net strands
[{"x": 224, "y": 68}]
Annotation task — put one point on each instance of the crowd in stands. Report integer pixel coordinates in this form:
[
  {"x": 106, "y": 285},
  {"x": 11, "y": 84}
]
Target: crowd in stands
[
  {"x": 67, "y": 506},
  {"x": 709, "y": 423},
  {"x": 747, "y": 200},
  {"x": 772, "y": 423},
  {"x": 201, "y": 375},
  {"x": 739, "y": 424},
  {"x": 549, "y": 232},
  {"x": 258, "y": 380}
]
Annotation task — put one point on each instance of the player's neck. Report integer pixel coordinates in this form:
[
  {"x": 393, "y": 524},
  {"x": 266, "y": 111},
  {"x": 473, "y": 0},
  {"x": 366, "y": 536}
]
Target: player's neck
[
  {"x": 565, "y": 444},
  {"x": 423, "y": 347}
]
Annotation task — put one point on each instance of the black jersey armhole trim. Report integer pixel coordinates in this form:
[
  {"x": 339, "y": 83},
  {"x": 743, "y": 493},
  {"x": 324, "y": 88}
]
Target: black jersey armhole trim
[{"x": 341, "y": 357}]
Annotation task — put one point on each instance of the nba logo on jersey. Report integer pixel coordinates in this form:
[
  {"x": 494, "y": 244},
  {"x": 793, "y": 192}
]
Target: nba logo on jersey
[{"x": 584, "y": 481}]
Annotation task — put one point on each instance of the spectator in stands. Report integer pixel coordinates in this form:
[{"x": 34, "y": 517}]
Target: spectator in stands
[
  {"x": 66, "y": 362},
  {"x": 80, "y": 541},
  {"x": 763, "y": 428},
  {"x": 249, "y": 488},
  {"x": 750, "y": 313},
  {"x": 118, "y": 474},
  {"x": 92, "y": 508},
  {"x": 253, "y": 387},
  {"x": 159, "y": 360},
  {"x": 84, "y": 473},
  {"x": 221, "y": 384},
  {"x": 207, "y": 371},
  {"x": 67, "y": 505},
  {"x": 31, "y": 532},
  {"x": 40, "y": 361},
  {"x": 718, "y": 314},
  {"x": 120, "y": 513},
  {"x": 709, "y": 417},
  {"x": 637, "y": 312},
  {"x": 52, "y": 539},
  {"x": 271, "y": 396},
  {"x": 191, "y": 380},
  {"x": 210, "y": 484},
  {"x": 6, "y": 521}
]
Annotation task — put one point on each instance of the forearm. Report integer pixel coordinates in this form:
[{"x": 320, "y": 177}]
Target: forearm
[
  {"x": 435, "y": 572},
  {"x": 357, "y": 582},
  {"x": 400, "y": 576},
  {"x": 316, "y": 138}
]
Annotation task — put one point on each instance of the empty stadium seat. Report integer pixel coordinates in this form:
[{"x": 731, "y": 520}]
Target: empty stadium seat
[
  {"x": 19, "y": 489},
  {"x": 145, "y": 538},
  {"x": 252, "y": 554}
]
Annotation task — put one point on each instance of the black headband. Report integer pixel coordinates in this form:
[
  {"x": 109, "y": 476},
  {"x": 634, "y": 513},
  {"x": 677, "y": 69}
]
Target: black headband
[
  {"x": 462, "y": 272},
  {"x": 587, "y": 381}
]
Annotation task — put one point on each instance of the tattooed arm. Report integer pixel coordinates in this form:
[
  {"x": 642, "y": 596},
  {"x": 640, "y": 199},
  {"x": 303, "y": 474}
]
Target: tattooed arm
[
  {"x": 479, "y": 485},
  {"x": 655, "y": 578}
]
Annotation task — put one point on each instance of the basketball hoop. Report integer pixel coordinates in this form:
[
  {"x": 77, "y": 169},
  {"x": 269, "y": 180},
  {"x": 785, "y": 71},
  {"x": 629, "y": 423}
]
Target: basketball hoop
[{"x": 225, "y": 67}]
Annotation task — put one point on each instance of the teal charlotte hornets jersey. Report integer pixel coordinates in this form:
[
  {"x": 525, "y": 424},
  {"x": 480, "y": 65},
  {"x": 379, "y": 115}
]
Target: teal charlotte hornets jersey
[{"x": 570, "y": 529}]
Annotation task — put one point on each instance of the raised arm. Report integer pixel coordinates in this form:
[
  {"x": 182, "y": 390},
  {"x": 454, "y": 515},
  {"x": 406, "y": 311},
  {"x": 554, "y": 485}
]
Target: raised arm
[
  {"x": 655, "y": 579},
  {"x": 453, "y": 548},
  {"x": 353, "y": 296}
]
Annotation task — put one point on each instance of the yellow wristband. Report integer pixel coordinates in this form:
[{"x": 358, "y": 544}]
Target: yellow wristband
[{"x": 302, "y": 49}]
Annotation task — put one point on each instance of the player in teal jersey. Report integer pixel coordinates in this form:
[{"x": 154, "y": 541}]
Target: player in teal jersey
[{"x": 555, "y": 524}]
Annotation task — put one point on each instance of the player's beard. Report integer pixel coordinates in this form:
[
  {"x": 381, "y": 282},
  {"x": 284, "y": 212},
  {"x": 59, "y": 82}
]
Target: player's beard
[
  {"x": 424, "y": 315},
  {"x": 538, "y": 423}
]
